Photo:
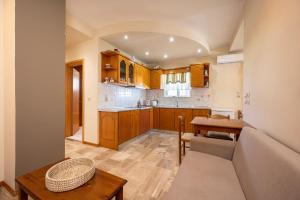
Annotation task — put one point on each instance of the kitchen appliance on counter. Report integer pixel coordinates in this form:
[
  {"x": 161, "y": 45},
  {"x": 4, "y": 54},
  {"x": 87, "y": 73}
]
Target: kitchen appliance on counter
[{"x": 154, "y": 103}]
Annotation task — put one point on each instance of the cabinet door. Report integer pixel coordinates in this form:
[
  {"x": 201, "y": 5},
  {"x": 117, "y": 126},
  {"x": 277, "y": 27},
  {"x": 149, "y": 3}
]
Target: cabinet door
[
  {"x": 188, "y": 115},
  {"x": 144, "y": 121},
  {"x": 166, "y": 119},
  {"x": 125, "y": 129},
  {"x": 135, "y": 123},
  {"x": 197, "y": 75},
  {"x": 131, "y": 73},
  {"x": 156, "y": 118},
  {"x": 147, "y": 78},
  {"x": 138, "y": 75},
  {"x": 201, "y": 112},
  {"x": 122, "y": 69},
  {"x": 155, "y": 79},
  {"x": 108, "y": 130}
]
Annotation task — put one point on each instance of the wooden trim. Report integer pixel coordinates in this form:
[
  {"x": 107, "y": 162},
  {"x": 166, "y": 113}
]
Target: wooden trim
[
  {"x": 11, "y": 191},
  {"x": 92, "y": 144},
  {"x": 176, "y": 70},
  {"x": 70, "y": 65}
]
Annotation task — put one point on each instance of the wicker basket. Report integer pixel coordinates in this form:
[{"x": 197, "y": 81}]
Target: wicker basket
[{"x": 69, "y": 174}]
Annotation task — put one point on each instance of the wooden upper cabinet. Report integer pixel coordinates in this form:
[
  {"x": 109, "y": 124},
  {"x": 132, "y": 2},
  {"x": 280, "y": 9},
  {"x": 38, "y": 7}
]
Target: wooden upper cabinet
[
  {"x": 188, "y": 115},
  {"x": 123, "y": 69},
  {"x": 167, "y": 119},
  {"x": 146, "y": 78},
  {"x": 131, "y": 73},
  {"x": 155, "y": 78},
  {"x": 138, "y": 75},
  {"x": 197, "y": 75}
]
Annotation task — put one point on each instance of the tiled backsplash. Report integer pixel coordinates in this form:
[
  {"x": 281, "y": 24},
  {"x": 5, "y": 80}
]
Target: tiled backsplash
[
  {"x": 199, "y": 97},
  {"x": 117, "y": 96}
]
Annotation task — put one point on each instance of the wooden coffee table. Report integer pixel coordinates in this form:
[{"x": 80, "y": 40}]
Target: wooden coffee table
[{"x": 102, "y": 186}]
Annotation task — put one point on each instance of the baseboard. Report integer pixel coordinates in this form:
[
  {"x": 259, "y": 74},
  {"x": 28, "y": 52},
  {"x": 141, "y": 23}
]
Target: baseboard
[
  {"x": 11, "y": 191},
  {"x": 92, "y": 144}
]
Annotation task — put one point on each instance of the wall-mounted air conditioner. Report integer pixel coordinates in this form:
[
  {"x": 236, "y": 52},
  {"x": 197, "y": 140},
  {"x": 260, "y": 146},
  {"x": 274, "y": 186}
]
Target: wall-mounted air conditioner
[{"x": 230, "y": 58}]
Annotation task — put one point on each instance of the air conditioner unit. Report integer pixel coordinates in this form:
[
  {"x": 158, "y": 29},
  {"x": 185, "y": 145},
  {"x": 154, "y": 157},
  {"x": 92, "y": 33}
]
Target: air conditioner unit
[{"x": 230, "y": 58}]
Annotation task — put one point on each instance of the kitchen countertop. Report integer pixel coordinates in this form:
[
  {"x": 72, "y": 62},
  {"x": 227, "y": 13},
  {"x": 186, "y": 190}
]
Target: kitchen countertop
[{"x": 120, "y": 109}]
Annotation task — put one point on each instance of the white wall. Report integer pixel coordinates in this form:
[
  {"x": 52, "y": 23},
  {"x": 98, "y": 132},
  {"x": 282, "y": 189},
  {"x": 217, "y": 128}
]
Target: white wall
[
  {"x": 1, "y": 90},
  {"x": 224, "y": 92},
  {"x": 9, "y": 92},
  {"x": 272, "y": 68},
  {"x": 89, "y": 51}
]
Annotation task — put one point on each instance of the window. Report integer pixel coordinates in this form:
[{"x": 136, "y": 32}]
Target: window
[{"x": 176, "y": 85}]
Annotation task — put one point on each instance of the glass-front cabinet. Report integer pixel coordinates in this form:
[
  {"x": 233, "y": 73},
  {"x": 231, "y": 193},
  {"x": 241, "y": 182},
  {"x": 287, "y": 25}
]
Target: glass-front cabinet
[
  {"x": 131, "y": 73},
  {"x": 123, "y": 70}
]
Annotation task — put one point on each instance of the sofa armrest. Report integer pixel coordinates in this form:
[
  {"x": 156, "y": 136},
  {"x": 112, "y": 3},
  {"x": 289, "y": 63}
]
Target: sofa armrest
[{"x": 216, "y": 147}]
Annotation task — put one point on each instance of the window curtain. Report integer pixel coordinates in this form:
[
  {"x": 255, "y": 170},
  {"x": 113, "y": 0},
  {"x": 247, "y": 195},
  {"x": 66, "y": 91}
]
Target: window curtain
[{"x": 178, "y": 84}]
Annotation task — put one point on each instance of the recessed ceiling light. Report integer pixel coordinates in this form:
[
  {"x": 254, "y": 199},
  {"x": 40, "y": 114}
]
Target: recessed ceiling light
[
  {"x": 166, "y": 56},
  {"x": 171, "y": 39},
  {"x": 199, "y": 50},
  {"x": 147, "y": 53},
  {"x": 126, "y": 37}
]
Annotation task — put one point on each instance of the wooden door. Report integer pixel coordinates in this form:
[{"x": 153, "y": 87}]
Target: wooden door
[
  {"x": 131, "y": 72},
  {"x": 155, "y": 79},
  {"x": 76, "y": 101},
  {"x": 156, "y": 118},
  {"x": 166, "y": 119},
  {"x": 108, "y": 133},
  {"x": 197, "y": 75},
  {"x": 188, "y": 115},
  {"x": 138, "y": 75},
  {"x": 146, "y": 78},
  {"x": 125, "y": 129}
]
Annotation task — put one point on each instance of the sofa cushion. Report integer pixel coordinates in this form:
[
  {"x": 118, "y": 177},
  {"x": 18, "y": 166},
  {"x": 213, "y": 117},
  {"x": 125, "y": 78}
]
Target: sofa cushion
[
  {"x": 267, "y": 169},
  {"x": 203, "y": 176}
]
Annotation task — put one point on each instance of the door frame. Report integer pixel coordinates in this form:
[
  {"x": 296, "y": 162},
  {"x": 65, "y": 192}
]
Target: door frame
[{"x": 68, "y": 95}]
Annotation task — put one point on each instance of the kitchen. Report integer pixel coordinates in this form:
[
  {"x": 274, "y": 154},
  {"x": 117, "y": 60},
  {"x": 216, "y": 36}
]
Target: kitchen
[{"x": 134, "y": 98}]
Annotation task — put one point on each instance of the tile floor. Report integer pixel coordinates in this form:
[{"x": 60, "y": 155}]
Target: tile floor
[{"x": 148, "y": 162}]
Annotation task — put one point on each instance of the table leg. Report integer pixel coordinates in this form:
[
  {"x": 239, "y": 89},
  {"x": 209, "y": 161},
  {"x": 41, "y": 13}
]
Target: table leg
[
  {"x": 119, "y": 195},
  {"x": 23, "y": 195}
]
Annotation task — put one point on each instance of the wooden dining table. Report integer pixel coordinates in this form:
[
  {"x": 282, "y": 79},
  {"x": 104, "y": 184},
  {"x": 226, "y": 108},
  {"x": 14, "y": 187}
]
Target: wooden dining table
[{"x": 204, "y": 124}]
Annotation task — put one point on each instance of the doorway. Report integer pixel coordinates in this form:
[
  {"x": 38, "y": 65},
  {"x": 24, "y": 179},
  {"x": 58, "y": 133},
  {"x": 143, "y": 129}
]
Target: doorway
[{"x": 74, "y": 123}]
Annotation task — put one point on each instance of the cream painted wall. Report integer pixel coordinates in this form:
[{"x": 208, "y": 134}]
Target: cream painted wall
[
  {"x": 89, "y": 51},
  {"x": 272, "y": 68},
  {"x": 226, "y": 82},
  {"x": 9, "y": 92},
  {"x": 1, "y": 90}
]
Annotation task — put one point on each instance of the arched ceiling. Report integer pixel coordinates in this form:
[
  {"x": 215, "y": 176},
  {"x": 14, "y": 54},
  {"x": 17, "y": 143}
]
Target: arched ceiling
[{"x": 215, "y": 20}]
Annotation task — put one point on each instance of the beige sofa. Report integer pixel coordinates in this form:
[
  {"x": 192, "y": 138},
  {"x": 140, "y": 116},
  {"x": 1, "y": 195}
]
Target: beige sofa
[{"x": 256, "y": 168}]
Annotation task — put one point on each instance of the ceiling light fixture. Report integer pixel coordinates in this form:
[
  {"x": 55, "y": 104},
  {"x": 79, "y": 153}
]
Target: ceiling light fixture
[
  {"x": 126, "y": 37},
  {"x": 166, "y": 56},
  {"x": 199, "y": 50},
  {"x": 171, "y": 39},
  {"x": 147, "y": 53}
]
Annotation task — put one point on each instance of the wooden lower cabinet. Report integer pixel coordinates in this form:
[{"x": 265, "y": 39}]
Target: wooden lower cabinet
[
  {"x": 135, "y": 123},
  {"x": 125, "y": 126},
  {"x": 109, "y": 136},
  {"x": 167, "y": 119},
  {"x": 119, "y": 127},
  {"x": 156, "y": 118},
  {"x": 144, "y": 121},
  {"x": 201, "y": 112},
  {"x": 188, "y": 115}
]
